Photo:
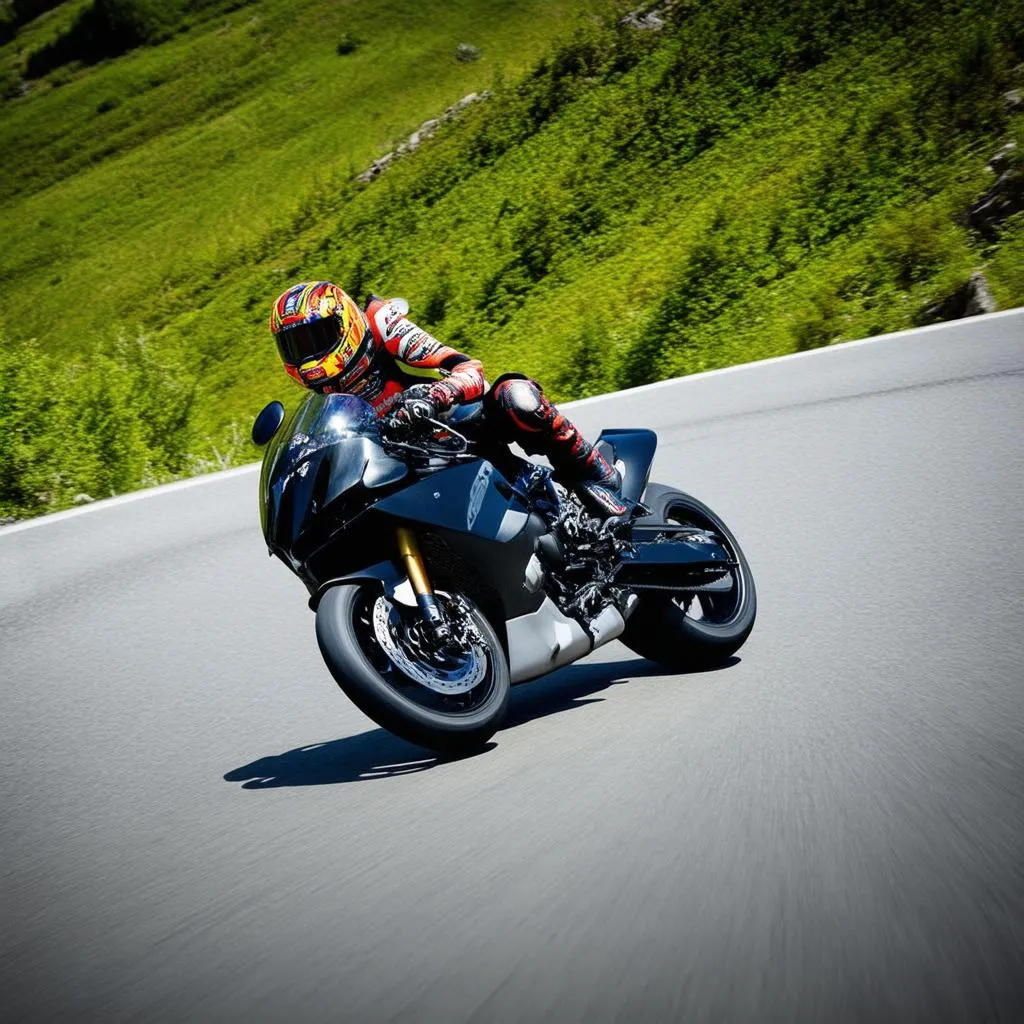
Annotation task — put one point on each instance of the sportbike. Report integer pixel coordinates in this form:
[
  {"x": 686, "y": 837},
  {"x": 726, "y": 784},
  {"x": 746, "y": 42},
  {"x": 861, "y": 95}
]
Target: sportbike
[{"x": 444, "y": 569}]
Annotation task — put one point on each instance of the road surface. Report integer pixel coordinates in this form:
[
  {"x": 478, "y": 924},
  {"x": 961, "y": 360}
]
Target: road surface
[{"x": 196, "y": 825}]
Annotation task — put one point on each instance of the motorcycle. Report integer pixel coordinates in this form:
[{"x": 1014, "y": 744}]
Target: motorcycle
[{"x": 443, "y": 569}]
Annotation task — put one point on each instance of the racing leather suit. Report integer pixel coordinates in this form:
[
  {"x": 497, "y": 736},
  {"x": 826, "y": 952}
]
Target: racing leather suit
[{"x": 515, "y": 408}]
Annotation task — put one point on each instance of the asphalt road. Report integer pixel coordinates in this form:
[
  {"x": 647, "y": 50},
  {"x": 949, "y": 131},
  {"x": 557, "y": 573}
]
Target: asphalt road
[{"x": 197, "y": 826}]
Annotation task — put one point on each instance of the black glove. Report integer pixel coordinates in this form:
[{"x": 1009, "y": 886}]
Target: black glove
[{"x": 415, "y": 406}]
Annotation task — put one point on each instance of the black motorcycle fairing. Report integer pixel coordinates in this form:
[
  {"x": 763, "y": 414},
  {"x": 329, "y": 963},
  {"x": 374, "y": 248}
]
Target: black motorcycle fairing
[
  {"x": 329, "y": 510},
  {"x": 493, "y": 574},
  {"x": 472, "y": 497},
  {"x": 330, "y": 513},
  {"x": 330, "y": 448},
  {"x": 665, "y": 562}
]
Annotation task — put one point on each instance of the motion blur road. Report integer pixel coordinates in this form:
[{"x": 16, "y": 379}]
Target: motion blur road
[{"x": 196, "y": 825}]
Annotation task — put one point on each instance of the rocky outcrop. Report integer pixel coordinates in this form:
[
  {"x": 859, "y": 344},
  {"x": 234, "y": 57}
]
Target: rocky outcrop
[
  {"x": 416, "y": 139},
  {"x": 971, "y": 299},
  {"x": 979, "y": 297},
  {"x": 1004, "y": 198},
  {"x": 649, "y": 18},
  {"x": 1001, "y": 159}
]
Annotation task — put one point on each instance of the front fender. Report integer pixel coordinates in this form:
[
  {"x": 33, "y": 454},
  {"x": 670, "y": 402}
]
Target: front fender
[{"x": 386, "y": 575}]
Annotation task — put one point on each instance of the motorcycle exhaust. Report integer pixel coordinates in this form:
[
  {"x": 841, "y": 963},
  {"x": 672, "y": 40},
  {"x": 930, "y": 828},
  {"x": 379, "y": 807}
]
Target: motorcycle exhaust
[
  {"x": 547, "y": 639},
  {"x": 606, "y": 626}
]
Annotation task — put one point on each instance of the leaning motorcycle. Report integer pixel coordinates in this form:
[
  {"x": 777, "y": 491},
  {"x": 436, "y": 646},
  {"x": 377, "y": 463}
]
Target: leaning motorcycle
[{"x": 443, "y": 571}]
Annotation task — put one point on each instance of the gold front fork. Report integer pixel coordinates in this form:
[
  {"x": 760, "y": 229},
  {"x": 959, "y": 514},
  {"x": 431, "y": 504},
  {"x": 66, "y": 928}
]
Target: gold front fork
[
  {"x": 417, "y": 571},
  {"x": 414, "y": 566}
]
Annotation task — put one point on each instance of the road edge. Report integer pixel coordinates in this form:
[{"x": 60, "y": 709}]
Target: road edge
[{"x": 753, "y": 365}]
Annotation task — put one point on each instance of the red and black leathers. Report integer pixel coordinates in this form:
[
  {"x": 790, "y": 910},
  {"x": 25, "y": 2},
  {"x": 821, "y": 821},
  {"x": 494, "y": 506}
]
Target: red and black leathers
[
  {"x": 516, "y": 409},
  {"x": 376, "y": 375}
]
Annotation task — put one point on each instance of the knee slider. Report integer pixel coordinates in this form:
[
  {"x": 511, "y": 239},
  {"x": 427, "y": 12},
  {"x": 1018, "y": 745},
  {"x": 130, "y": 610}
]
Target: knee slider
[{"x": 521, "y": 401}]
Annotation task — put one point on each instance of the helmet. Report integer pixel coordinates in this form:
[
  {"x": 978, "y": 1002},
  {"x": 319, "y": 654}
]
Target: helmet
[{"x": 319, "y": 330}]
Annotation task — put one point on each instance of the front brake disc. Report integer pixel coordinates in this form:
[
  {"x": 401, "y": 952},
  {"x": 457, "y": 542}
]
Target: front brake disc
[{"x": 461, "y": 679}]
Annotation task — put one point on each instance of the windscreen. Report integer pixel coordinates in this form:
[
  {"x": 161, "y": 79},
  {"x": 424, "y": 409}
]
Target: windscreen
[
  {"x": 292, "y": 464},
  {"x": 319, "y": 421}
]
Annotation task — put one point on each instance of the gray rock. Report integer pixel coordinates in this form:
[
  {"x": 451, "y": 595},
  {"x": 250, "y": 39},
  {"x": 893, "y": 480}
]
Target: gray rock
[
  {"x": 418, "y": 137},
  {"x": 1002, "y": 200},
  {"x": 466, "y": 53},
  {"x": 468, "y": 100},
  {"x": 970, "y": 299},
  {"x": 1000, "y": 160},
  {"x": 979, "y": 296},
  {"x": 1014, "y": 98},
  {"x": 649, "y": 18},
  {"x": 645, "y": 22},
  {"x": 376, "y": 168}
]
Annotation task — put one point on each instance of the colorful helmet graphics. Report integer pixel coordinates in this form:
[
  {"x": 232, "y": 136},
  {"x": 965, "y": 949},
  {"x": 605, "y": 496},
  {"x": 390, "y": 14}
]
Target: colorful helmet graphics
[{"x": 319, "y": 332}]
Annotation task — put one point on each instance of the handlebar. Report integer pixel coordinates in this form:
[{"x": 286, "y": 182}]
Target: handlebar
[{"x": 420, "y": 439}]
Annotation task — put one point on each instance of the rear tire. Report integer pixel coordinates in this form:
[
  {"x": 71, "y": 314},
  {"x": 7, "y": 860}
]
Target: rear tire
[
  {"x": 660, "y": 627},
  {"x": 378, "y": 686}
]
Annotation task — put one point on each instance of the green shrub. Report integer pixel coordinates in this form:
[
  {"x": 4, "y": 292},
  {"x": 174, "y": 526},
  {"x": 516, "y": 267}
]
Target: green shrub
[
  {"x": 108, "y": 28},
  {"x": 105, "y": 29},
  {"x": 26, "y": 411},
  {"x": 15, "y": 13},
  {"x": 123, "y": 421},
  {"x": 8, "y": 22},
  {"x": 819, "y": 319},
  {"x": 347, "y": 44},
  {"x": 912, "y": 245},
  {"x": 589, "y": 368},
  {"x": 11, "y": 84},
  {"x": 438, "y": 299}
]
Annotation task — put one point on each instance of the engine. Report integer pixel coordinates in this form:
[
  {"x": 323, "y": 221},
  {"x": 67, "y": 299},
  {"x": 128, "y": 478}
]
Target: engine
[{"x": 581, "y": 560}]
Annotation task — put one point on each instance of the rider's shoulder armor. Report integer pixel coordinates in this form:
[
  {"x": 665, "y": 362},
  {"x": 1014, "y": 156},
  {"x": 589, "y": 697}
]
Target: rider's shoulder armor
[{"x": 386, "y": 317}]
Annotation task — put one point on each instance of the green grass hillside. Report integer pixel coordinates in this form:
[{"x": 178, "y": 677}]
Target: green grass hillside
[{"x": 628, "y": 205}]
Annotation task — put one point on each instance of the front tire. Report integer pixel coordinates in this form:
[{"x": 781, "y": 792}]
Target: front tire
[
  {"x": 684, "y": 630},
  {"x": 453, "y": 712}
]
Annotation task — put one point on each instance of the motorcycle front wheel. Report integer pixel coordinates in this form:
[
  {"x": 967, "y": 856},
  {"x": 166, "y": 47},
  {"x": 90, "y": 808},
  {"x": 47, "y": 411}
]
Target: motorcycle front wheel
[
  {"x": 451, "y": 701},
  {"x": 693, "y": 629}
]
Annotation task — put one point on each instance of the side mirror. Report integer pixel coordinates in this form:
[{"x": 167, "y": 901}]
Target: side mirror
[{"x": 266, "y": 424}]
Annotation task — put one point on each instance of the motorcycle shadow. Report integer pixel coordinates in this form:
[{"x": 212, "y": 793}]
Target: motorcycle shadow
[{"x": 377, "y": 754}]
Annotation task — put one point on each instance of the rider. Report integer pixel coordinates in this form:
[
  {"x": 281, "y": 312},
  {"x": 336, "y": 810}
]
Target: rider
[{"x": 329, "y": 345}]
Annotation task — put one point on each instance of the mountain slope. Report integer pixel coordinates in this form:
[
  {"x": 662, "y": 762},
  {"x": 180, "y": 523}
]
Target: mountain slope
[{"x": 742, "y": 183}]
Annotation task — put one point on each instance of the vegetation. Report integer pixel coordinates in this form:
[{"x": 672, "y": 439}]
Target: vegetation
[
  {"x": 77, "y": 434},
  {"x": 751, "y": 180},
  {"x": 107, "y": 28}
]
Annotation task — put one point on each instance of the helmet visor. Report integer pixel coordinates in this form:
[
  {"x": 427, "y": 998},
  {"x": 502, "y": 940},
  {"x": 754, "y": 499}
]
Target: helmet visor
[{"x": 303, "y": 342}]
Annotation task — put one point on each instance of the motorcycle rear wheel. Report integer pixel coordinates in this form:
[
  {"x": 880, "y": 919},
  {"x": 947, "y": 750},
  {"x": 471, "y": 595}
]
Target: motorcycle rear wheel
[
  {"x": 385, "y": 677},
  {"x": 692, "y": 630}
]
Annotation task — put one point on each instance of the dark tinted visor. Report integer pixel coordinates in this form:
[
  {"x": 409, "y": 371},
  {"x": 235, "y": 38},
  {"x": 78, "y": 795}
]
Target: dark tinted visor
[{"x": 303, "y": 342}]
